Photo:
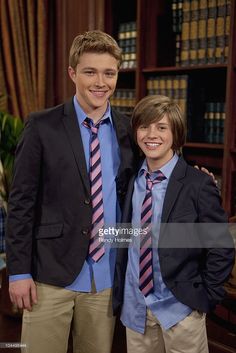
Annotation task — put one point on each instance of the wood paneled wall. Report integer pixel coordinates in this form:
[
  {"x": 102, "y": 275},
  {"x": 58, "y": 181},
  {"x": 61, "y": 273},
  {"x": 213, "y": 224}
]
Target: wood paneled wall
[{"x": 71, "y": 18}]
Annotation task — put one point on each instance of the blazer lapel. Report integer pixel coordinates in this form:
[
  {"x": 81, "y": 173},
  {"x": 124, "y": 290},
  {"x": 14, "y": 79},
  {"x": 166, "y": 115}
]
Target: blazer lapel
[
  {"x": 173, "y": 189},
  {"x": 74, "y": 136}
]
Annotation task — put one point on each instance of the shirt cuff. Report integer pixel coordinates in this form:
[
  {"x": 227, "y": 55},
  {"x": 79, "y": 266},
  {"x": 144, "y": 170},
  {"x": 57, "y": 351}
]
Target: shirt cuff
[{"x": 13, "y": 278}]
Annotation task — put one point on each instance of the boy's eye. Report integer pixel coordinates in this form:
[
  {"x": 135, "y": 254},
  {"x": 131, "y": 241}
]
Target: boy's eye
[
  {"x": 89, "y": 72},
  {"x": 142, "y": 127},
  {"x": 110, "y": 74}
]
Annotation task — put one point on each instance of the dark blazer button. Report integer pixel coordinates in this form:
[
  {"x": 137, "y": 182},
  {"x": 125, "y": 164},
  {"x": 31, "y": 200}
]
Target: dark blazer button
[
  {"x": 84, "y": 231},
  {"x": 121, "y": 192},
  {"x": 87, "y": 201}
]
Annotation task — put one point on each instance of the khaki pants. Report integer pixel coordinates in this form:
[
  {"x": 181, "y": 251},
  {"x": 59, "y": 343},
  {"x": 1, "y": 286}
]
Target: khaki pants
[
  {"x": 46, "y": 328},
  {"x": 188, "y": 336}
]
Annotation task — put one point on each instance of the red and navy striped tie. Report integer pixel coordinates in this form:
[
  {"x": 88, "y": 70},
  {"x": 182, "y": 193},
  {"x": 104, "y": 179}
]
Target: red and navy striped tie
[
  {"x": 96, "y": 246},
  {"x": 146, "y": 284}
]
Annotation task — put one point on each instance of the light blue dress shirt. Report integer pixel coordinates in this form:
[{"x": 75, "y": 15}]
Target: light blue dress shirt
[
  {"x": 166, "y": 308},
  {"x": 103, "y": 270}
]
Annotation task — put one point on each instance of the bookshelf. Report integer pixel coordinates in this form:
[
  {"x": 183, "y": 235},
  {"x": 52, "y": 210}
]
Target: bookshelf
[{"x": 186, "y": 49}]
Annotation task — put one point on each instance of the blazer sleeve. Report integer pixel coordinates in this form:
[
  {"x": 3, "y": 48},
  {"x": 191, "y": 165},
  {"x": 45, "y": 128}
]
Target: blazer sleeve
[
  {"x": 216, "y": 239},
  {"x": 22, "y": 200}
]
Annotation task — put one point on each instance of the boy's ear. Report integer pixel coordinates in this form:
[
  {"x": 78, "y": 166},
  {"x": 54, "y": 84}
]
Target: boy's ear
[{"x": 72, "y": 73}]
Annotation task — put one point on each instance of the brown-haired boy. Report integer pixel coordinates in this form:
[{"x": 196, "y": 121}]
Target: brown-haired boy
[
  {"x": 177, "y": 267},
  {"x": 71, "y": 172}
]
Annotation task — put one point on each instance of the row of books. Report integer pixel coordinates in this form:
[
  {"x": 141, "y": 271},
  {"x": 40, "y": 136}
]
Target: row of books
[
  {"x": 127, "y": 35},
  {"x": 175, "y": 87},
  {"x": 124, "y": 100},
  {"x": 210, "y": 127},
  {"x": 202, "y": 31},
  {"x": 214, "y": 119},
  {"x": 211, "y": 130}
]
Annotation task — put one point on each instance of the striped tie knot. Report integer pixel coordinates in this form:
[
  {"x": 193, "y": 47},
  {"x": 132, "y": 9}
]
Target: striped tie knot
[
  {"x": 89, "y": 124},
  {"x": 158, "y": 179},
  {"x": 94, "y": 129}
]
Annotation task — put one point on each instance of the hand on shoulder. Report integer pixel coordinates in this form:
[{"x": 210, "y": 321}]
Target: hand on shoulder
[{"x": 205, "y": 170}]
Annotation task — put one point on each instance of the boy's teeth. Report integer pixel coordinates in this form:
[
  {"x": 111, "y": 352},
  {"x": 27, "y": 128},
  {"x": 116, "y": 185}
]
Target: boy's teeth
[{"x": 152, "y": 144}]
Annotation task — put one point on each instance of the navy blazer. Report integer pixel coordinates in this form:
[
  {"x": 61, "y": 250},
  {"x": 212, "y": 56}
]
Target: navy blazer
[
  {"x": 195, "y": 258},
  {"x": 49, "y": 209}
]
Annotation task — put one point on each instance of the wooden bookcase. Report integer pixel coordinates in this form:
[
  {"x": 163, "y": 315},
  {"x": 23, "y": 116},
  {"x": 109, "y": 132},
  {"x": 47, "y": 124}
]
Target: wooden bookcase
[{"x": 155, "y": 56}]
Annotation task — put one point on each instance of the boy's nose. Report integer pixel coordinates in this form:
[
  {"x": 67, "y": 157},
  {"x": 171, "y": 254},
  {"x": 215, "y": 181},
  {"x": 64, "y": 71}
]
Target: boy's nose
[
  {"x": 152, "y": 131},
  {"x": 99, "y": 80}
]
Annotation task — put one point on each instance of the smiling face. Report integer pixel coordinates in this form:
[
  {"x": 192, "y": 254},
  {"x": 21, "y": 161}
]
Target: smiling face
[
  {"x": 159, "y": 129},
  {"x": 156, "y": 141},
  {"x": 95, "y": 78}
]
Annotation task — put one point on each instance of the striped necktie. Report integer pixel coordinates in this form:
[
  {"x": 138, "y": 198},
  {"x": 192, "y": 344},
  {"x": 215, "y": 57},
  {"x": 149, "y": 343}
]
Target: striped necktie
[
  {"x": 145, "y": 261},
  {"x": 96, "y": 245}
]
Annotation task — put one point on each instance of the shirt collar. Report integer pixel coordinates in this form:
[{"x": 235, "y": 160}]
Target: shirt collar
[
  {"x": 166, "y": 169},
  {"x": 81, "y": 116}
]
